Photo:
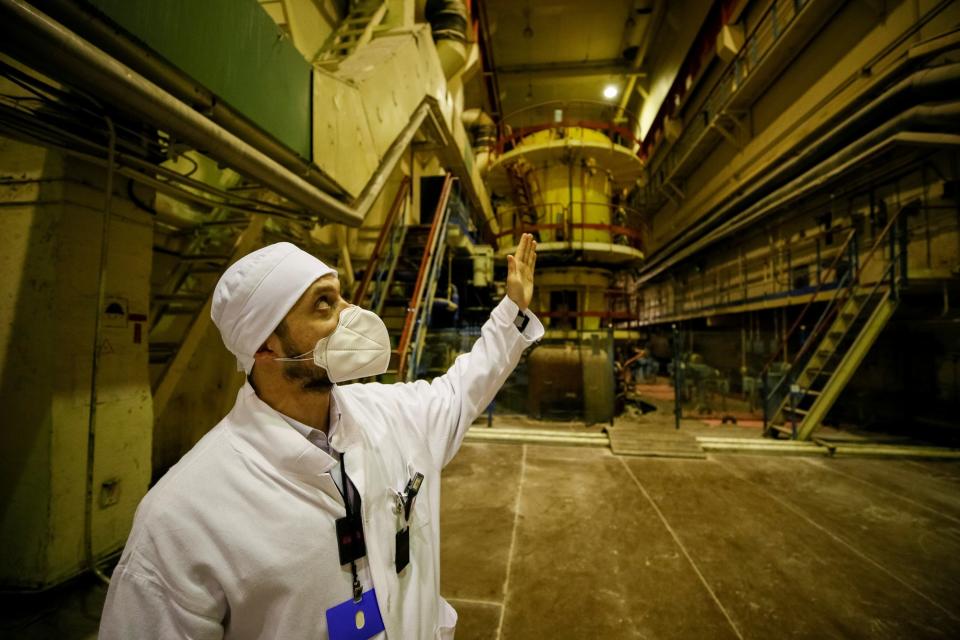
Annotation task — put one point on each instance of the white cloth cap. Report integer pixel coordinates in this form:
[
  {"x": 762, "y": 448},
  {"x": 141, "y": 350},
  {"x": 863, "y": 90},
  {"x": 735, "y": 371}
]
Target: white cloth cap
[{"x": 256, "y": 292}]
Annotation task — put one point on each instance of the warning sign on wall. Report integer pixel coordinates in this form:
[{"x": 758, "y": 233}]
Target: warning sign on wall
[{"x": 115, "y": 312}]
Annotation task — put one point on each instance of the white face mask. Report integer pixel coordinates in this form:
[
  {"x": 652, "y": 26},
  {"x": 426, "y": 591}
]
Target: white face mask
[{"x": 357, "y": 348}]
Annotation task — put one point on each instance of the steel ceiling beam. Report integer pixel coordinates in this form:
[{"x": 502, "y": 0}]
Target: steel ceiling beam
[{"x": 572, "y": 68}]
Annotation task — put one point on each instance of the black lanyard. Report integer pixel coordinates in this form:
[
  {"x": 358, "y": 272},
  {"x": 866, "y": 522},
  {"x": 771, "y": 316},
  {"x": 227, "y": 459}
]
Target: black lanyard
[{"x": 350, "y": 529}]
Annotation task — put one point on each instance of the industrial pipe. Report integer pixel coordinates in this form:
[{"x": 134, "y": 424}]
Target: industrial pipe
[
  {"x": 63, "y": 53},
  {"x": 904, "y": 128},
  {"x": 447, "y": 18},
  {"x": 448, "y": 21},
  {"x": 927, "y": 84},
  {"x": 925, "y": 119},
  {"x": 144, "y": 61}
]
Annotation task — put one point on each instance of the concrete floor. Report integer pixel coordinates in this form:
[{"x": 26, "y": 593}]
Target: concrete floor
[
  {"x": 551, "y": 542},
  {"x": 564, "y": 542}
]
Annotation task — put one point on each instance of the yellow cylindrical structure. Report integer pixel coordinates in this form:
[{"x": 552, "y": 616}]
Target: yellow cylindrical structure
[
  {"x": 575, "y": 290},
  {"x": 569, "y": 191}
]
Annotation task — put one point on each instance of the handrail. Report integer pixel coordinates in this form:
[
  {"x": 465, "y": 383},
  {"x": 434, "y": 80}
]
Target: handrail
[
  {"x": 593, "y": 125},
  {"x": 880, "y": 238},
  {"x": 722, "y": 91},
  {"x": 637, "y": 235},
  {"x": 634, "y": 234},
  {"x": 567, "y": 104},
  {"x": 813, "y": 297},
  {"x": 564, "y": 204},
  {"x": 835, "y": 305},
  {"x": 429, "y": 296},
  {"x": 385, "y": 232},
  {"x": 803, "y": 350},
  {"x": 414, "y": 305},
  {"x": 822, "y": 323}
]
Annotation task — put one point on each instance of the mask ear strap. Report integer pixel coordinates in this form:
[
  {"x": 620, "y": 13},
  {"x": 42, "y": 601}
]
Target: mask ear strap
[{"x": 303, "y": 356}]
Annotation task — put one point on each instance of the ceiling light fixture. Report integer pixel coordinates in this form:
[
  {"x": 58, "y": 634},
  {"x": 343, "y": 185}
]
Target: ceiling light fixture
[{"x": 610, "y": 91}]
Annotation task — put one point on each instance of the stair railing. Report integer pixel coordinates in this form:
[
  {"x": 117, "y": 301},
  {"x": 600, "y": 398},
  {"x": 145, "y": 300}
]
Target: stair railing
[
  {"x": 384, "y": 250},
  {"x": 437, "y": 228},
  {"x": 433, "y": 278},
  {"x": 893, "y": 275},
  {"x": 843, "y": 251}
]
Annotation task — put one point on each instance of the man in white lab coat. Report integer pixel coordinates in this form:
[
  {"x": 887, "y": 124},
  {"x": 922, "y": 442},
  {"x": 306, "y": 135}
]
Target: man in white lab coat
[{"x": 311, "y": 509}]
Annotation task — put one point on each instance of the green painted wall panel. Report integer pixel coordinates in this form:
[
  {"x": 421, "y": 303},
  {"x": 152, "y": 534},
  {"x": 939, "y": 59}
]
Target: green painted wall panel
[{"x": 233, "y": 48}]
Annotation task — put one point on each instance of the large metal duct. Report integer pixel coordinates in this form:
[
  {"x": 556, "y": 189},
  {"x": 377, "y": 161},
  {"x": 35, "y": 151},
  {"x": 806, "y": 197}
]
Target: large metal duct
[
  {"x": 144, "y": 61},
  {"x": 449, "y": 23},
  {"x": 67, "y": 57}
]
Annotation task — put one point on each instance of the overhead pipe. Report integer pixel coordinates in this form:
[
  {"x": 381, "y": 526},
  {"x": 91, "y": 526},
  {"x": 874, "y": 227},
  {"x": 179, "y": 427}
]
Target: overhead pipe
[
  {"x": 101, "y": 33},
  {"x": 818, "y": 176},
  {"x": 483, "y": 132},
  {"x": 73, "y": 59},
  {"x": 64, "y": 54},
  {"x": 916, "y": 125},
  {"x": 820, "y": 143},
  {"x": 449, "y": 20},
  {"x": 927, "y": 84}
]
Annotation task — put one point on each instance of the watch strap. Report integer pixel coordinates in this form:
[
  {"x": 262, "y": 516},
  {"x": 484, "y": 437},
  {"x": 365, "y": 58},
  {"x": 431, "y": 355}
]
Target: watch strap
[{"x": 521, "y": 321}]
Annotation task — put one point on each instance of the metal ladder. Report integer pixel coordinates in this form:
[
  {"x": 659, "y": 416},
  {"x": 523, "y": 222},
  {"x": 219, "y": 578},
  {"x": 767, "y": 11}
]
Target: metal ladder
[
  {"x": 526, "y": 193},
  {"x": 357, "y": 29}
]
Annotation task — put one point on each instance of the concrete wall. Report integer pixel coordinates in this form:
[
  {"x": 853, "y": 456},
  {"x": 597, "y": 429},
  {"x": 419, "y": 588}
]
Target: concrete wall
[{"x": 50, "y": 253}]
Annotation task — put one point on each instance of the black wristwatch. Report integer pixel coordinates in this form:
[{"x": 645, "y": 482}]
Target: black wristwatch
[{"x": 521, "y": 321}]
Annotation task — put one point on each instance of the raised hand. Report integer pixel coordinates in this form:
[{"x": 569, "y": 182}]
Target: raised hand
[{"x": 520, "y": 272}]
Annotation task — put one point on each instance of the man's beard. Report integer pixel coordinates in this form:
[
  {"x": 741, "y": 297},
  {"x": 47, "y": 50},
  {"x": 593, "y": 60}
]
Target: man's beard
[{"x": 306, "y": 373}]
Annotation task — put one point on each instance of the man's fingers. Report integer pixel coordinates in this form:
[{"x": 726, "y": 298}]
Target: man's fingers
[
  {"x": 533, "y": 259},
  {"x": 526, "y": 245},
  {"x": 522, "y": 247},
  {"x": 511, "y": 265}
]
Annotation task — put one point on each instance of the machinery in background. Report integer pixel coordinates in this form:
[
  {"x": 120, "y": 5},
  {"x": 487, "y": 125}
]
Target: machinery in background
[{"x": 565, "y": 181}]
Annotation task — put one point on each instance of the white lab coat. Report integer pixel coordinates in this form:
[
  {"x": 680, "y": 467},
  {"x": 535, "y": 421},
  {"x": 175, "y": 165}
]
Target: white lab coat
[{"x": 238, "y": 539}]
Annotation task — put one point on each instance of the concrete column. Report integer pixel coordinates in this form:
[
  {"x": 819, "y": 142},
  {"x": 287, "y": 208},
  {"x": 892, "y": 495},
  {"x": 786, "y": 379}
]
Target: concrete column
[{"x": 52, "y": 208}]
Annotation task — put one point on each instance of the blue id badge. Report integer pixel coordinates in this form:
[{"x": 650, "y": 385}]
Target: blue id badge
[{"x": 355, "y": 620}]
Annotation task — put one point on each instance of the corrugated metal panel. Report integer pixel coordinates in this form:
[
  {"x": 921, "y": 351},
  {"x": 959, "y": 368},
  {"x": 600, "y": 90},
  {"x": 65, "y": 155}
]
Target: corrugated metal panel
[{"x": 234, "y": 49}]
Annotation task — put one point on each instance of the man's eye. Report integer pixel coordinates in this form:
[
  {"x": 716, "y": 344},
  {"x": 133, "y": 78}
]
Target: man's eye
[{"x": 323, "y": 304}]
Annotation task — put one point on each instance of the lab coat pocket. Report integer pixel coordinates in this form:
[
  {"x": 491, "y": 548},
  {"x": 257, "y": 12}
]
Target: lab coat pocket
[{"x": 447, "y": 625}]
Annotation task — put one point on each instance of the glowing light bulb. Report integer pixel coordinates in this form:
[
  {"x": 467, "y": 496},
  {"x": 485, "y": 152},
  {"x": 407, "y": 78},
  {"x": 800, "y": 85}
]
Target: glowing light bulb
[{"x": 610, "y": 91}]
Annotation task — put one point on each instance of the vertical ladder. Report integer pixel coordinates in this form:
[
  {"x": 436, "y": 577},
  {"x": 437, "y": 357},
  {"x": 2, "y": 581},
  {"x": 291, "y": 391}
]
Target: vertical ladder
[
  {"x": 353, "y": 32},
  {"x": 526, "y": 193}
]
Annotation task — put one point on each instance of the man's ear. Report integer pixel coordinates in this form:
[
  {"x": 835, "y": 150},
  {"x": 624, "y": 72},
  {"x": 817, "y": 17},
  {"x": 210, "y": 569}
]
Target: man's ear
[{"x": 269, "y": 350}]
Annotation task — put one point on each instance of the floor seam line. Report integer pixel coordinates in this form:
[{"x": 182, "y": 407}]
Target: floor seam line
[
  {"x": 683, "y": 549},
  {"x": 513, "y": 539},
  {"x": 488, "y": 603},
  {"x": 884, "y": 490},
  {"x": 800, "y": 512}
]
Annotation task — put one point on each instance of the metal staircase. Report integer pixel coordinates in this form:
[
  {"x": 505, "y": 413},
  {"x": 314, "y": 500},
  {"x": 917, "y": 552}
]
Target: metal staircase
[
  {"x": 191, "y": 262},
  {"x": 409, "y": 293},
  {"x": 378, "y": 273},
  {"x": 847, "y": 328},
  {"x": 357, "y": 29}
]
